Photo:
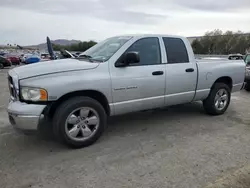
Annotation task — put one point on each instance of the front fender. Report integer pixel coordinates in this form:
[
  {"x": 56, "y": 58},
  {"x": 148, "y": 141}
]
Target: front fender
[{"x": 59, "y": 84}]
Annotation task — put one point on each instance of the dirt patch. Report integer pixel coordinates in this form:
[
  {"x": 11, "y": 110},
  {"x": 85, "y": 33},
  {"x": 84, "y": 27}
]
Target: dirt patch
[{"x": 238, "y": 179}]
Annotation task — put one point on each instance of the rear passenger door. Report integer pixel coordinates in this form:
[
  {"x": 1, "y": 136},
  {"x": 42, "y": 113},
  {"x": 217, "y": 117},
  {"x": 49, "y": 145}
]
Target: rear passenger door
[{"x": 181, "y": 74}]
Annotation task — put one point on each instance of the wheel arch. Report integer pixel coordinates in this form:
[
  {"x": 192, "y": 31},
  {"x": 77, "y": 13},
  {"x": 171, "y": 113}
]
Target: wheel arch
[
  {"x": 97, "y": 95},
  {"x": 226, "y": 80}
]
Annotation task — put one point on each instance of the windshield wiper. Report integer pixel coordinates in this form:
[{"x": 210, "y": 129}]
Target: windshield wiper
[
  {"x": 90, "y": 58},
  {"x": 85, "y": 57}
]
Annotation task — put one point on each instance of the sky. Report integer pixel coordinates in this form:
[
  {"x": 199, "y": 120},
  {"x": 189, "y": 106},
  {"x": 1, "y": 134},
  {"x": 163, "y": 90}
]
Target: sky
[{"x": 28, "y": 22}]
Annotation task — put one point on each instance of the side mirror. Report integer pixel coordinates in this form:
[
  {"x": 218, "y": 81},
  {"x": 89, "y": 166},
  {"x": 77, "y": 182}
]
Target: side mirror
[
  {"x": 131, "y": 58},
  {"x": 128, "y": 58}
]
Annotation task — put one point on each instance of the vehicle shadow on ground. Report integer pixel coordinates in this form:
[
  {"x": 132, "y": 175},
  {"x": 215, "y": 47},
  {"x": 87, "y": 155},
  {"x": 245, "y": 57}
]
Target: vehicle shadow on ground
[
  {"x": 141, "y": 121},
  {"x": 119, "y": 127},
  {"x": 144, "y": 119}
]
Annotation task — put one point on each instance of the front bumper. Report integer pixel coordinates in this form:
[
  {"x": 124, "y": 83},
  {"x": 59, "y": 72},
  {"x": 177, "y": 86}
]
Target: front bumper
[{"x": 25, "y": 117}]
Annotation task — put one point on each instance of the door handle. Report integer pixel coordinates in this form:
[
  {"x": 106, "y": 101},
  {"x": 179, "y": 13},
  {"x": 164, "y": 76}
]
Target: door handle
[
  {"x": 156, "y": 73},
  {"x": 190, "y": 70}
]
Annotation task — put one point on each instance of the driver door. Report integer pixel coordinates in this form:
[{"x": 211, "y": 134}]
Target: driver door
[{"x": 140, "y": 86}]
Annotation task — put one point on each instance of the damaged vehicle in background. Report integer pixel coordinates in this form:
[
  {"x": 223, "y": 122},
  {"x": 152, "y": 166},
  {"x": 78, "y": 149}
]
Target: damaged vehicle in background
[{"x": 120, "y": 75}]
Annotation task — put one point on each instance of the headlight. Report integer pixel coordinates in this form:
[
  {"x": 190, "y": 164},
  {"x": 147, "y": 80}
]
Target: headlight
[{"x": 33, "y": 94}]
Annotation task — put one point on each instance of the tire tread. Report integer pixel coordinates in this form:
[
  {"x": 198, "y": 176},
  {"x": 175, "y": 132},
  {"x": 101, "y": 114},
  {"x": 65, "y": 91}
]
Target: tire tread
[
  {"x": 65, "y": 108},
  {"x": 208, "y": 103}
]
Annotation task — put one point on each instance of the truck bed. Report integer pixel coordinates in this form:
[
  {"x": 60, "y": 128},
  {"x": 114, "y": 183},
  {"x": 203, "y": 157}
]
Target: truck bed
[{"x": 211, "y": 69}]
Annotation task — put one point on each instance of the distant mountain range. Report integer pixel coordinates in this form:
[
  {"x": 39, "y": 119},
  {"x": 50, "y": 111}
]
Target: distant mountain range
[{"x": 62, "y": 42}]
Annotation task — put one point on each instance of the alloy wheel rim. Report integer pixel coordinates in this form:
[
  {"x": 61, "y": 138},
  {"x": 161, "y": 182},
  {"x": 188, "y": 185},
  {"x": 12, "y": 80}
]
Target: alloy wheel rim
[
  {"x": 221, "y": 99},
  {"x": 82, "y": 123}
]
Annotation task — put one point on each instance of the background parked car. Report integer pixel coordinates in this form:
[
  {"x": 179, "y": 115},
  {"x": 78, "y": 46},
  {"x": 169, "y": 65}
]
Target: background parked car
[
  {"x": 45, "y": 57},
  {"x": 32, "y": 59},
  {"x": 247, "y": 59},
  {"x": 2, "y": 53},
  {"x": 15, "y": 60},
  {"x": 4, "y": 62},
  {"x": 247, "y": 73},
  {"x": 235, "y": 57},
  {"x": 22, "y": 59}
]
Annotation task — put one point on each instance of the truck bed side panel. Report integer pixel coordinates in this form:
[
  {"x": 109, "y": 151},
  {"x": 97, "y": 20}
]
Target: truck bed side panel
[{"x": 211, "y": 70}]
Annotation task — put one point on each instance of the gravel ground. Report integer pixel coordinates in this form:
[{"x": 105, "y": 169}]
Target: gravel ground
[{"x": 179, "y": 147}]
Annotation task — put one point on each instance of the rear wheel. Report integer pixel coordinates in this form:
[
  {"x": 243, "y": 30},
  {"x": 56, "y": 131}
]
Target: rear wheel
[
  {"x": 1, "y": 66},
  {"x": 79, "y": 121},
  {"x": 218, "y": 100}
]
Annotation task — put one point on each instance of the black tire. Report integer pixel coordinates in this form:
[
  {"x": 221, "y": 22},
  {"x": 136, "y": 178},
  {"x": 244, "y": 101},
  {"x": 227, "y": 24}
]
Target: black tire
[
  {"x": 64, "y": 110},
  {"x": 247, "y": 86},
  {"x": 1, "y": 66},
  {"x": 209, "y": 102}
]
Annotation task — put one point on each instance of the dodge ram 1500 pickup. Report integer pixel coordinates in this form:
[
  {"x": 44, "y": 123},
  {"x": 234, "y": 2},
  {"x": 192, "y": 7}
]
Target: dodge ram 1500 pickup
[{"x": 119, "y": 75}]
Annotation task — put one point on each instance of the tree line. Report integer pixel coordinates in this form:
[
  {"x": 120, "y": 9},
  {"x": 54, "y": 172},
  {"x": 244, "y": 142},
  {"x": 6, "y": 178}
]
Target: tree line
[
  {"x": 213, "y": 42},
  {"x": 217, "y": 42},
  {"x": 81, "y": 46}
]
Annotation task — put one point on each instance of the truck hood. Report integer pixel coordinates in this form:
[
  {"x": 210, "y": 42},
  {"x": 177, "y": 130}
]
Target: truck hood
[{"x": 54, "y": 66}]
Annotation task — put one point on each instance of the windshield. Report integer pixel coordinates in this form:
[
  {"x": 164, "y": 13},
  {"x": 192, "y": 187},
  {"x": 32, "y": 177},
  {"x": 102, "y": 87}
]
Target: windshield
[{"x": 105, "y": 49}]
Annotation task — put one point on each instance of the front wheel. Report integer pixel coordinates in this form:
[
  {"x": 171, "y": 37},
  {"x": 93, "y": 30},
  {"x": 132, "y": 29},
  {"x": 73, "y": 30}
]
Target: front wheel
[
  {"x": 1, "y": 66},
  {"x": 79, "y": 121},
  {"x": 218, "y": 100}
]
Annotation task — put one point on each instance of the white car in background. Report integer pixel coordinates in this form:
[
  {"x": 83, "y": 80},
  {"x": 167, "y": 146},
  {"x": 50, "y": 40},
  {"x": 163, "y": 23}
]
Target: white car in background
[
  {"x": 235, "y": 57},
  {"x": 25, "y": 56}
]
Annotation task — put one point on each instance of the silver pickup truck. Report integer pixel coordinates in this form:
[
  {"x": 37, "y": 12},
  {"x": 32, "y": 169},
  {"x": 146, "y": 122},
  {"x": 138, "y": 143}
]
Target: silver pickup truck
[{"x": 119, "y": 75}]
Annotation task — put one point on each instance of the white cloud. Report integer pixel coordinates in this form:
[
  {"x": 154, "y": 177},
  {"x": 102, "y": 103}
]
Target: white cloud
[{"x": 98, "y": 19}]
